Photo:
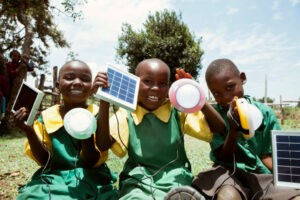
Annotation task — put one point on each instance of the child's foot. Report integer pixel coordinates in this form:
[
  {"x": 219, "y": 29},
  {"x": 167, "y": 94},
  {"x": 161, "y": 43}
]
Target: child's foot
[{"x": 184, "y": 193}]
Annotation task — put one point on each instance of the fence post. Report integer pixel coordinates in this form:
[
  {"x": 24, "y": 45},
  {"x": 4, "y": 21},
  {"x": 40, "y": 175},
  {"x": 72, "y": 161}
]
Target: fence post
[
  {"x": 55, "y": 91},
  {"x": 281, "y": 110}
]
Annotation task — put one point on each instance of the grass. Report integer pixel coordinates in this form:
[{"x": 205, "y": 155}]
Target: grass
[{"x": 17, "y": 169}]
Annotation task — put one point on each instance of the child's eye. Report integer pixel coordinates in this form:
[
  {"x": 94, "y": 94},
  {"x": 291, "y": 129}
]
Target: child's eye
[
  {"x": 230, "y": 87},
  {"x": 86, "y": 79},
  {"x": 164, "y": 84},
  {"x": 215, "y": 94},
  {"x": 69, "y": 77},
  {"x": 147, "y": 81}
]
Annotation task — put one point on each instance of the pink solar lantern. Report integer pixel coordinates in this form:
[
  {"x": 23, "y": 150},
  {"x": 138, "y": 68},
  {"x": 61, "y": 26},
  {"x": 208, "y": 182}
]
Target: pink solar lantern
[{"x": 186, "y": 95}]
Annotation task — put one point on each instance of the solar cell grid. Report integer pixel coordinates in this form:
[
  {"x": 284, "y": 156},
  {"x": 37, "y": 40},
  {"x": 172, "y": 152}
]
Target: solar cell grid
[
  {"x": 286, "y": 158},
  {"x": 123, "y": 88}
]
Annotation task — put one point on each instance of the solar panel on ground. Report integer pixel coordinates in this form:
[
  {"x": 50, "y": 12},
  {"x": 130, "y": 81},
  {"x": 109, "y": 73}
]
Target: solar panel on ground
[
  {"x": 123, "y": 90},
  {"x": 286, "y": 158}
]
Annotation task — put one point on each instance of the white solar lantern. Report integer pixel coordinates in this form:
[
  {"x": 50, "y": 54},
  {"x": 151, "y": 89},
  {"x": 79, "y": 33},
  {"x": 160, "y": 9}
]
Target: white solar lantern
[
  {"x": 80, "y": 123},
  {"x": 186, "y": 95},
  {"x": 250, "y": 116}
]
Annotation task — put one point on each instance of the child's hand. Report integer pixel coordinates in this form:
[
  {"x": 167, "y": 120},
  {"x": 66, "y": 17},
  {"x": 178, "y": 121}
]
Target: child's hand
[
  {"x": 233, "y": 115},
  {"x": 101, "y": 80},
  {"x": 20, "y": 116},
  {"x": 180, "y": 73}
]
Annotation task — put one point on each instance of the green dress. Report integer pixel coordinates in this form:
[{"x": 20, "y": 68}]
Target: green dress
[
  {"x": 157, "y": 160},
  {"x": 66, "y": 177}
]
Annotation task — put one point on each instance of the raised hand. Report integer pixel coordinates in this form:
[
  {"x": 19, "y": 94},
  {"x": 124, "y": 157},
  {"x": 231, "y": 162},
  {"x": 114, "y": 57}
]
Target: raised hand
[{"x": 180, "y": 73}]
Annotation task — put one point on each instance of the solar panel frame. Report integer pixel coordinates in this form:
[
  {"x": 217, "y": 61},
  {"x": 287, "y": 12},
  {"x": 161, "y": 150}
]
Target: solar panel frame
[
  {"x": 123, "y": 89},
  {"x": 29, "y": 97},
  {"x": 286, "y": 158}
]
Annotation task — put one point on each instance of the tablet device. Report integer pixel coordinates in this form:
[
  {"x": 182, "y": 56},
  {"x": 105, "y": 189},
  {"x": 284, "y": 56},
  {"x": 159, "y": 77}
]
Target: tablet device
[{"x": 29, "y": 97}]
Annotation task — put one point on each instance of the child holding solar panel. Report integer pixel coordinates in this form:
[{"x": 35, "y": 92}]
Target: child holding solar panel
[
  {"x": 70, "y": 168},
  {"x": 242, "y": 163},
  {"x": 152, "y": 136}
]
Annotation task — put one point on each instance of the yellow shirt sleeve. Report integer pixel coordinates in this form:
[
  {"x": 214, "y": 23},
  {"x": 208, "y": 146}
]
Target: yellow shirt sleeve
[
  {"x": 43, "y": 137},
  {"x": 120, "y": 132},
  {"x": 195, "y": 125}
]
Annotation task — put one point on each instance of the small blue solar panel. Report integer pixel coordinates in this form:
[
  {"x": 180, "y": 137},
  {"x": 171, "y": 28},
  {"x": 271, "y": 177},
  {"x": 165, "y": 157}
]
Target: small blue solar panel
[
  {"x": 123, "y": 89},
  {"x": 286, "y": 158}
]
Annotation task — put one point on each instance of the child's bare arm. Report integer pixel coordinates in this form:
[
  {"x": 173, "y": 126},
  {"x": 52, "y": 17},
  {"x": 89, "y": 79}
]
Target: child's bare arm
[
  {"x": 267, "y": 160},
  {"x": 38, "y": 149},
  {"x": 227, "y": 150},
  {"x": 103, "y": 138},
  {"x": 213, "y": 118},
  {"x": 89, "y": 153}
]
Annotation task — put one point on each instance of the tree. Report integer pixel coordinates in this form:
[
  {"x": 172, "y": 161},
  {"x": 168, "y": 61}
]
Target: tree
[
  {"x": 29, "y": 27},
  {"x": 262, "y": 100},
  {"x": 165, "y": 36}
]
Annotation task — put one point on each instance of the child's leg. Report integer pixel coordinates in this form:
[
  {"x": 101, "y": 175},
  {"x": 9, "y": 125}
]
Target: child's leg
[
  {"x": 228, "y": 192},
  {"x": 210, "y": 182},
  {"x": 183, "y": 192}
]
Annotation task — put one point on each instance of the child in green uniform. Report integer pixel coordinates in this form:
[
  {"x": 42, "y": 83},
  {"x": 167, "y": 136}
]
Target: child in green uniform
[
  {"x": 152, "y": 136},
  {"x": 243, "y": 167},
  {"x": 70, "y": 168}
]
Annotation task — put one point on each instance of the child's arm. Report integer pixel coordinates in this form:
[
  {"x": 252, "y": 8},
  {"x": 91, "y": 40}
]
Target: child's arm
[
  {"x": 38, "y": 149},
  {"x": 227, "y": 150},
  {"x": 267, "y": 160},
  {"x": 89, "y": 153},
  {"x": 103, "y": 138},
  {"x": 213, "y": 118}
]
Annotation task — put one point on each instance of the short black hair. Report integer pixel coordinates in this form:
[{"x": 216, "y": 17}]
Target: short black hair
[
  {"x": 220, "y": 65},
  {"x": 70, "y": 61},
  {"x": 13, "y": 51}
]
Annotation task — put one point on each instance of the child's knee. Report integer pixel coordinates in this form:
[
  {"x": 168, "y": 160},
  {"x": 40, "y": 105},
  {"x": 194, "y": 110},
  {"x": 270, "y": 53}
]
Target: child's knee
[{"x": 228, "y": 192}]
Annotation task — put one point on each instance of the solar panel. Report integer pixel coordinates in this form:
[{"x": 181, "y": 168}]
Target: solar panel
[
  {"x": 286, "y": 158},
  {"x": 123, "y": 89},
  {"x": 30, "y": 98}
]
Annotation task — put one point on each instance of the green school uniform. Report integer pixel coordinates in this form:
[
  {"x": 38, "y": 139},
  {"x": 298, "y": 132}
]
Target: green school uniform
[
  {"x": 157, "y": 160},
  {"x": 251, "y": 177},
  {"x": 65, "y": 177},
  {"x": 249, "y": 151}
]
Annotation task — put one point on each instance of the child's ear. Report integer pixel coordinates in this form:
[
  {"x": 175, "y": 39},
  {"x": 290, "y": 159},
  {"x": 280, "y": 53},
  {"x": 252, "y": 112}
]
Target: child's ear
[{"x": 243, "y": 77}]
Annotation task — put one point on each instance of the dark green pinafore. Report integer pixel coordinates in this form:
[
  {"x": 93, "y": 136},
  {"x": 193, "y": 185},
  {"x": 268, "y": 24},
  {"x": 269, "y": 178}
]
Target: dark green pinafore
[
  {"x": 157, "y": 160},
  {"x": 66, "y": 178}
]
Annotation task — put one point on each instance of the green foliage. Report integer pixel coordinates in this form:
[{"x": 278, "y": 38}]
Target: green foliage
[
  {"x": 262, "y": 100},
  {"x": 29, "y": 27},
  {"x": 165, "y": 36}
]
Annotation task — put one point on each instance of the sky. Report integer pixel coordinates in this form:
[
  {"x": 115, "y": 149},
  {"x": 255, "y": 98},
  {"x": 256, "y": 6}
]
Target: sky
[{"x": 261, "y": 37}]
